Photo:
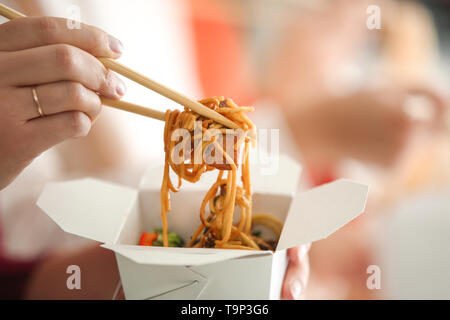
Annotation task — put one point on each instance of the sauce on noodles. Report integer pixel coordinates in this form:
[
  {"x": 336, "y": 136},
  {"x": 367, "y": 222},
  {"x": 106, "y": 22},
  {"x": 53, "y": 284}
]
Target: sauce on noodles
[{"x": 221, "y": 153}]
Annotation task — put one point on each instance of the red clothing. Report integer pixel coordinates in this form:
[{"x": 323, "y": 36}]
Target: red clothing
[
  {"x": 13, "y": 274},
  {"x": 320, "y": 175}
]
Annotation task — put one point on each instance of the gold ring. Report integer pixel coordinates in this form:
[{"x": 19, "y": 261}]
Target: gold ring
[{"x": 36, "y": 100}]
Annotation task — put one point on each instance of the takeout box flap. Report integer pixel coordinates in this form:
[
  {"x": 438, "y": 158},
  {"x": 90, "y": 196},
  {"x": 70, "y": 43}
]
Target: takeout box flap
[
  {"x": 317, "y": 213},
  {"x": 88, "y": 207},
  {"x": 145, "y": 282},
  {"x": 179, "y": 256}
]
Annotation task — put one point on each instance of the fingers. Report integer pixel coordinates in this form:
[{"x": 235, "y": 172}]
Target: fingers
[
  {"x": 26, "y": 33},
  {"x": 297, "y": 273},
  {"x": 59, "y": 63},
  {"x": 46, "y": 132},
  {"x": 56, "y": 98}
]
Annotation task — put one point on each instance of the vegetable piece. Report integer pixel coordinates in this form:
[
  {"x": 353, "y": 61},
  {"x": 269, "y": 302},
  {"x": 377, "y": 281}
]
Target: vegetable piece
[
  {"x": 257, "y": 233},
  {"x": 174, "y": 239},
  {"x": 147, "y": 238}
]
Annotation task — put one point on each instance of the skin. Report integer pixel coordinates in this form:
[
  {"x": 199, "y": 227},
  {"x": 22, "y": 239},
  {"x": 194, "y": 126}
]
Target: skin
[
  {"x": 101, "y": 150},
  {"x": 60, "y": 63},
  {"x": 297, "y": 273},
  {"x": 369, "y": 125}
]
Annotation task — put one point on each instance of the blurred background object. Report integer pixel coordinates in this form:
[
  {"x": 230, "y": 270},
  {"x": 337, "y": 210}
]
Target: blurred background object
[{"x": 343, "y": 90}]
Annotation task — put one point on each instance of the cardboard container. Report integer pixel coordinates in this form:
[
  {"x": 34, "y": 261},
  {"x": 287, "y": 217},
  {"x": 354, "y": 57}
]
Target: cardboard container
[{"x": 116, "y": 215}]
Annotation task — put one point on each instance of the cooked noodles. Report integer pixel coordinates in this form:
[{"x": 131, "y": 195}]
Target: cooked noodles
[{"x": 206, "y": 146}]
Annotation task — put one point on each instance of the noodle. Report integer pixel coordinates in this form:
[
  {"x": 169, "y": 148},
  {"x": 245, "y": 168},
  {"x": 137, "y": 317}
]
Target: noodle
[{"x": 198, "y": 155}]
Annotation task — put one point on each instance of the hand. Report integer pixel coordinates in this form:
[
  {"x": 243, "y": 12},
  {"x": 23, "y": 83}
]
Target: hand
[
  {"x": 99, "y": 275},
  {"x": 370, "y": 126},
  {"x": 297, "y": 273},
  {"x": 60, "y": 63}
]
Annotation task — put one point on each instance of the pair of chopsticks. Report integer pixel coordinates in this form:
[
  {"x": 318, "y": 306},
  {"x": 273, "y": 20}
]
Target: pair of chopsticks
[{"x": 146, "y": 82}]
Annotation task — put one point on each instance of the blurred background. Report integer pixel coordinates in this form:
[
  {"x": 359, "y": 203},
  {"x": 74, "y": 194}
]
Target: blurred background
[{"x": 350, "y": 101}]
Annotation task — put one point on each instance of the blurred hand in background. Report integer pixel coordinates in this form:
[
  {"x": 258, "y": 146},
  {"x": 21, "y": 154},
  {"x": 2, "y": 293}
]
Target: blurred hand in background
[
  {"x": 297, "y": 273},
  {"x": 370, "y": 125}
]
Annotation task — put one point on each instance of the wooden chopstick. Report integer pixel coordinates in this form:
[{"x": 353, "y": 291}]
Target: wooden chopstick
[
  {"x": 10, "y": 13},
  {"x": 134, "y": 108},
  {"x": 146, "y": 82},
  {"x": 167, "y": 92}
]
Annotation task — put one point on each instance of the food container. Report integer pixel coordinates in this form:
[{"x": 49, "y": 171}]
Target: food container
[{"x": 116, "y": 216}]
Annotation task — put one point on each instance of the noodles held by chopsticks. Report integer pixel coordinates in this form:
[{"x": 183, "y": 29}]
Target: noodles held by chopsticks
[{"x": 197, "y": 157}]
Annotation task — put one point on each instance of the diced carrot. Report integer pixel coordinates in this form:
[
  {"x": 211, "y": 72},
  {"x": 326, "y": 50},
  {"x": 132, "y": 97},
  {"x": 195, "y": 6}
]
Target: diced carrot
[{"x": 147, "y": 238}]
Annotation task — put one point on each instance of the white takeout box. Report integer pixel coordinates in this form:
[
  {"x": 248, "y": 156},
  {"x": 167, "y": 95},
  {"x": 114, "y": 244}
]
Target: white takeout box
[{"x": 116, "y": 216}]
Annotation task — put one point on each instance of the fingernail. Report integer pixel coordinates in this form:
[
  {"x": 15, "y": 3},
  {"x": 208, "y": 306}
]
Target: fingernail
[
  {"x": 296, "y": 289},
  {"x": 115, "y": 45},
  {"x": 121, "y": 89},
  {"x": 304, "y": 249}
]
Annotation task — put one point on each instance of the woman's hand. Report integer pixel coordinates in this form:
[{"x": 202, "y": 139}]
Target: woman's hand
[
  {"x": 297, "y": 273},
  {"x": 59, "y": 62},
  {"x": 99, "y": 275}
]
